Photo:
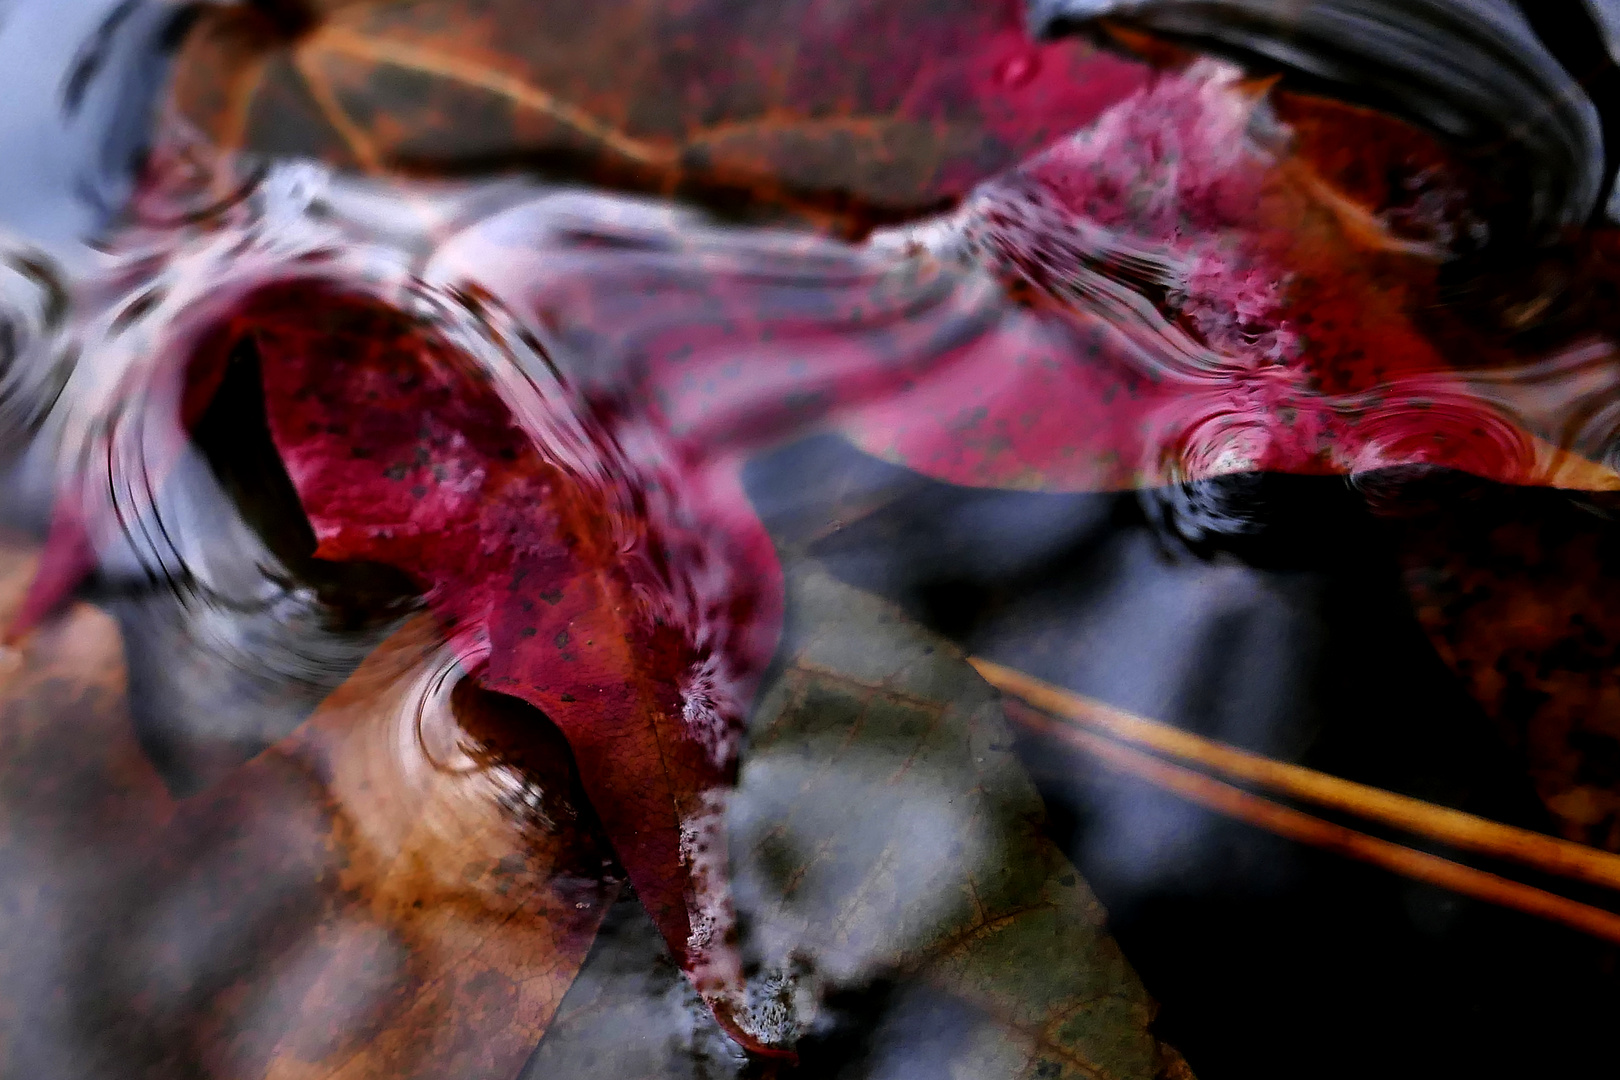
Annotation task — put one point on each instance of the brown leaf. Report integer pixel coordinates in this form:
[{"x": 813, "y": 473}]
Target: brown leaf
[
  {"x": 884, "y": 826},
  {"x": 472, "y": 883},
  {"x": 631, "y": 986},
  {"x": 643, "y": 658},
  {"x": 404, "y": 887},
  {"x": 78, "y": 803},
  {"x": 892, "y": 106}
]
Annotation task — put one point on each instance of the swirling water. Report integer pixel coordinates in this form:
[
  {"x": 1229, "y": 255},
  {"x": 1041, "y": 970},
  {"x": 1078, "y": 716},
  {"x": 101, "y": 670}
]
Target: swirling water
[{"x": 1095, "y": 422}]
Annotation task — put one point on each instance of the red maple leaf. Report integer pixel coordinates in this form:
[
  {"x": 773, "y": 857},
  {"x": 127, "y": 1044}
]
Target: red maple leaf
[{"x": 628, "y": 598}]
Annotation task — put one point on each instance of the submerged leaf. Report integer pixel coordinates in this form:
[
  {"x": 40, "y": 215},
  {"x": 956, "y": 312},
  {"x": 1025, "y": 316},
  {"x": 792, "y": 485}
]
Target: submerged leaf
[
  {"x": 1217, "y": 276},
  {"x": 845, "y": 111},
  {"x": 632, "y": 1015},
  {"x": 564, "y": 587},
  {"x": 471, "y": 880},
  {"x": 1237, "y": 311},
  {"x": 884, "y": 827},
  {"x": 1178, "y": 299},
  {"x": 538, "y": 421},
  {"x": 346, "y": 905},
  {"x": 79, "y": 804},
  {"x": 908, "y": 914}
]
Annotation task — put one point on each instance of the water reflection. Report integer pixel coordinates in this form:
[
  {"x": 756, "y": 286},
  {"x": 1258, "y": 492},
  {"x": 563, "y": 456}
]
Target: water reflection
[
  {"x": 82, "y": 81},
  {"x": 1474, "y": 69},
  {"x": 1181, "y": 411}
]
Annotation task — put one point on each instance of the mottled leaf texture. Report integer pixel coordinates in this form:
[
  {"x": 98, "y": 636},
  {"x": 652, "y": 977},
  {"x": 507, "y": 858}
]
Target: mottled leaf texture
[
  {"x": 893, "y": 106},
  {"x": 890, "y": 865},
  {"x": 556, "y": 586},
  {"x": 406, "y": 886},
  {"x": 403, "y": 888},
  {"x": 1222, "y": 277},
  {"x": 465, "y": 880},
  {"x": 883, "y": 826},
  {"x": 1246, "y": 296},
  {"x": 633, "y": 1015}
]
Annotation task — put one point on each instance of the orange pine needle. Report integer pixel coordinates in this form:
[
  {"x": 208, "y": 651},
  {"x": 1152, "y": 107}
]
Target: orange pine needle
[
  {"x": 1290, "y": 823},
  {"x": 1451, "y": 827}
]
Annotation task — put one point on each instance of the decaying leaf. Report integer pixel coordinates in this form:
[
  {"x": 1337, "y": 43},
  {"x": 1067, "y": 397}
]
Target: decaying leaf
[
  {"x": 560, "y": 585},
  {"x": 1251, "y": 275},
  {"x": 402, "y": 888},
  {"x": 473, "y": 878},
  {"x": 847, "y": 111},
  {"x": 632, "y": 1015},
  {"x": 883, "y": 829},
  {"x": 908, "y": 916},
  {"x": 406, "y": 885},
  {"x": 1243, "y": 303}
]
